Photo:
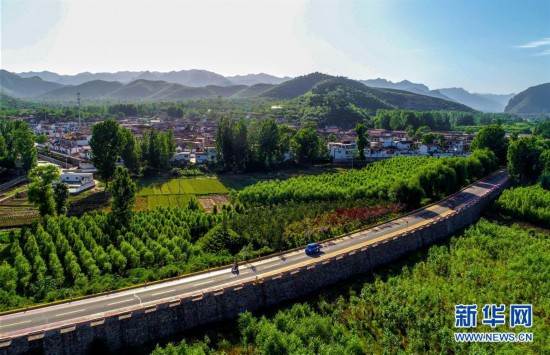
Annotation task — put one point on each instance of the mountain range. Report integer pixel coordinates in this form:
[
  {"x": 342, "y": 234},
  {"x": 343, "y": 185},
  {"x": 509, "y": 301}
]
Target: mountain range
[
  {"x": 193, "y": 77},
  {"x": 197, "y": 84},
  {"x": 480, "y": 102}
]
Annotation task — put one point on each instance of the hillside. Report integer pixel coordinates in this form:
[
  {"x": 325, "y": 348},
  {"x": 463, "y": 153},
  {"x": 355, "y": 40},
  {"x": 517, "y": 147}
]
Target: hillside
[
  {"x": 90, "y": 89},
  {"x": 252, "y": 91},
  {"x": 16, "y": 86},
  {"x": 295, "y": 87},
  {"x": 534, "y": 100},
  {"x": 340, "y": 101}
]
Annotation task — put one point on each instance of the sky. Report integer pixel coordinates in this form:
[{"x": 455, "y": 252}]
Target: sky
[{"x": 488, "y": 46}]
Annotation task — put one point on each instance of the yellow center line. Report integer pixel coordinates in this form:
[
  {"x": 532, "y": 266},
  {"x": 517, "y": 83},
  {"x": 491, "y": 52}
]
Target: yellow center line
[
  {"x": 11, "y": 325},
  {"x": 64, "y": 314}
]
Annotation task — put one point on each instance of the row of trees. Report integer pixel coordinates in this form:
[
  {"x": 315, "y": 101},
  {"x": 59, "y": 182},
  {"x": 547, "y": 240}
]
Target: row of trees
[
  {"x": 16, "y": 145},
  {"x": 436, "y": 120},
  {"x": 264, "y": 144},
  {"x": 110, "y": 141},
  {"x": 404, "y": 179}
]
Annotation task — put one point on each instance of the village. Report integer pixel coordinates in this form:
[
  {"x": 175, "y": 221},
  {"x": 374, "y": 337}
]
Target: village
[{"x": 67, "y": 144}]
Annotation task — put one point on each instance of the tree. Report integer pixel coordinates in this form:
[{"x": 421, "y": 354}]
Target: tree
[
  {"x": 123, "y": 196},
  {"x": 492, "y": 137},
  {"x": 40, "y": 189},
  {"x": 130, "y": 150},
  {"x": 362, "y": 142},
  {"x": 305, "y": 145},
  {"x": 61, "y": 197},
  {"x": 106, "y": 144},
  {"x": 268, "y": 142},
  {"x": 224, "y": 144},
  {"x": 543, "y": 129},
  {"x": 241, "y": 146},
  {"x": 24, "y": 146}
]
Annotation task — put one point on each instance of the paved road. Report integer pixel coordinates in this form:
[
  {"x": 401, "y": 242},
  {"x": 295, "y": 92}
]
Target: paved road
[{"x": 119, "y": 302}]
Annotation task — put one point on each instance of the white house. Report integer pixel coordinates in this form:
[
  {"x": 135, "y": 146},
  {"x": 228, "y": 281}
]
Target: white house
[
  {"x": 181, "y": 157},
  {"x": 342, "y": 151},
  {"x": 84, "y": 141},
  {"x": 78, "y": 182}
]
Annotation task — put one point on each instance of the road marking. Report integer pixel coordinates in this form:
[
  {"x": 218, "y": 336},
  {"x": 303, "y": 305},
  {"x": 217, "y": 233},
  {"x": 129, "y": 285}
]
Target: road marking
[
  {"x": 136, "y": 296},
  {"x": 163, "y": 292},
  {"x": 10, "y": 325},
  {"x": 123, "y": 301},
  {"x": 202, "y": 283},
  {"x": 64, "y": 314}
]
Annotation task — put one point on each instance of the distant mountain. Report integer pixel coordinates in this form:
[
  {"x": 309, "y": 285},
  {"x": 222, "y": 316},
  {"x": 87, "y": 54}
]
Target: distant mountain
[
  {"x": 90, "y": 89},
  {"x": 16, "y": 86},
  {"x": 405, "y": 85},
  {"x": 481, "y": 102},
  {"x": 253, "y": 79},
  {"x": 534, "y": 100},
  {"x": 81, "y": 78},
  {"x": 193, "y": 77},
  {"x": 150, "y": 90}
]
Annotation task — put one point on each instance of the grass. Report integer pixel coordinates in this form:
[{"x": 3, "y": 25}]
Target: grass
[{"x": 175, "y": 192}]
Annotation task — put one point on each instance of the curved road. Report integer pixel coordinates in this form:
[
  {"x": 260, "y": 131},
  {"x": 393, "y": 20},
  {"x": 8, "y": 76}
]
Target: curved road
[{"x": 67, "y": 314}]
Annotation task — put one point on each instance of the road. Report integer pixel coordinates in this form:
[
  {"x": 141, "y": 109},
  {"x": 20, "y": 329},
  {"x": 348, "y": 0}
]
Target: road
[{"x": 25, "y": 322}]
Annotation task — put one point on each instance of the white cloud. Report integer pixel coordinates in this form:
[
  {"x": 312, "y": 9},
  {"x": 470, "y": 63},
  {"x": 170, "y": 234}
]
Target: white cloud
[
  {"x": 536, "y": 44},
  {"x": 544, "y": 52}
]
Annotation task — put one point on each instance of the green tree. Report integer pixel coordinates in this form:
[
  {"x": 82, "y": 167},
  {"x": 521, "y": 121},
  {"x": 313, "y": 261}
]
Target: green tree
[
  {"x": 305, "y": 146},
  {"x": 492, "y": 137},
  {"x": 241, "y": 147},
  {"x": 362, "y": 142},
  {"x": 41, "y": 190},
  {"x": 123, "y": 196},
  {"x": 24, "y": 146},
  {"x": 268, "y": 142},
  {"x": 61, "y": 197},
  {"x": 523, "y": 159},
  {"x": 130, "y": 150},
  {"x": 224, "y": 144},
  {"x": 106, "y": 144}
]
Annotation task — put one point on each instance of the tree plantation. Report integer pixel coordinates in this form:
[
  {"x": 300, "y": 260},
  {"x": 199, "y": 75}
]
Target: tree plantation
[{"x": 433, "y": 178}]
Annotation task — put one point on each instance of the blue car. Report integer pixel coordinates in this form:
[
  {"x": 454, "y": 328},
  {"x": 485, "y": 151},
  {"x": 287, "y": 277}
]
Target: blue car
[{"x": 312, "y": 248}]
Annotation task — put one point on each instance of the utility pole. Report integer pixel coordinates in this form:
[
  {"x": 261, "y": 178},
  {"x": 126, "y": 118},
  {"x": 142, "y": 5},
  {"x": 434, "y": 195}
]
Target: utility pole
[{"x": 78, "y": 99}]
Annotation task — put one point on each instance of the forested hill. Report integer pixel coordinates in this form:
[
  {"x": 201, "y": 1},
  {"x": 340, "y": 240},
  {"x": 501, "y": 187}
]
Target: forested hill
[
  {"x": 534, "y": 100},
  {"x": 330, "y": 100},
  {"x": 373, "y": 98}
]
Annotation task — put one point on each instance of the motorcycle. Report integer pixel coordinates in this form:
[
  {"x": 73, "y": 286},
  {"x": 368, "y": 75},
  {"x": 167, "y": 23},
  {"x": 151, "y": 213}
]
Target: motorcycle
[{"x": 235, "y": 269}]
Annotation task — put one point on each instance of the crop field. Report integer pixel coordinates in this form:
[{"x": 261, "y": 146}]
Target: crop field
[{"x": 177, "y": 192}]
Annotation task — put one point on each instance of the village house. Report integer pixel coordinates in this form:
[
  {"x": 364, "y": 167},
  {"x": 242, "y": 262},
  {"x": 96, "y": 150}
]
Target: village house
[{"x": 78, "y": 182}]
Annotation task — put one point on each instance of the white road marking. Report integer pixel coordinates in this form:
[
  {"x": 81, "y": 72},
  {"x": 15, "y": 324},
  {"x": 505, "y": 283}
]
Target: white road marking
[
  {"x": 10, "y": 325},
  {"x": 64, "y": 314},
  {"x": 202, "y": 283},
  {"x": 136, "y": 296},
  {"x": 163, "y": 292},
  {"x": 123, "y": 301}
]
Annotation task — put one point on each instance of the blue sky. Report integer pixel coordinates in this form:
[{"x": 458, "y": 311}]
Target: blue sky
[{"x": 497, "y": 46}]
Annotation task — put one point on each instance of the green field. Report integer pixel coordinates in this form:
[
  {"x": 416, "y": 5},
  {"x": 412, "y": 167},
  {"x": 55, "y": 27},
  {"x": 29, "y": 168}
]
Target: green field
[{"x": 177, "y": 192}]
